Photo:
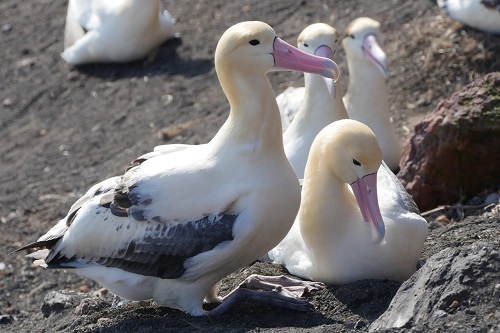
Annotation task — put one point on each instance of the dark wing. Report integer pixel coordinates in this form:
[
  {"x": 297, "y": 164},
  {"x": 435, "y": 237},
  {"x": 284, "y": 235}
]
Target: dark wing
[
  {"x": 491, "y": 4},
  {"x": 159, "y": 251},
  {"x": 112, "y": 228}
]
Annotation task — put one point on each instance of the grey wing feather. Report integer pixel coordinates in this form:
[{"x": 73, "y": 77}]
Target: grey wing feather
[
  {"x": 491, "y": 4},
  {"x": 58, "y": 231},
  {"x": 162, "y": 250},
  {"x": 162, "y": 247},
  {"x": 404, "y": 198}
]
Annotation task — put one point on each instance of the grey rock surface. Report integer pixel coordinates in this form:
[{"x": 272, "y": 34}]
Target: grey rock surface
[
  {"x": 57, "y": 301},
  {"x": 455, "y": 288}
]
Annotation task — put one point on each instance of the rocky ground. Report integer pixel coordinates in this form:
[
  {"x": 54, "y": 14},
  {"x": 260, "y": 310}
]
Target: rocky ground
[{"x": 63, "y": 129}]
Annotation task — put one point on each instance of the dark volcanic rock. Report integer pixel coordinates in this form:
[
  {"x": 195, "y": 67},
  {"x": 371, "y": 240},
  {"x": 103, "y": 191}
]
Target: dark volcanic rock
[
  {"x": 91, "y": 305},
  {"x": 6, "y": 319},
  {"x": 455, "y": 150},
  {"x": 57, "y": 301},
  {"x": 455, "y": 291}
]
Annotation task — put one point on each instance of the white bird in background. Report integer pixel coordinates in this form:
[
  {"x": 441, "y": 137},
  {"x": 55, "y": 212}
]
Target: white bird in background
[
  {"x": 292, "y": 99},
  {"x": 115, "y": 30},
  {"x": 366, "y": 99},
  {"x": 354, "y": 222},
  {"x": 480, "y": 14},
  {"x": 321, "y": 101},
  {"x": 176, "y": 223}
]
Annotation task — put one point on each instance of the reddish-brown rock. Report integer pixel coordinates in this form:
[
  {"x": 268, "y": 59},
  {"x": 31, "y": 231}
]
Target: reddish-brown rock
[{"x": 455, "y": 151}]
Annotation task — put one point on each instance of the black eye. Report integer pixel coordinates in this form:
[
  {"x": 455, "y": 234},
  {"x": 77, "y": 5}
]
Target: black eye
[
  {"x": 355, "y": 162},
  {"x": 254, "y": 42},
  {"x": 336, "y": 40},
  {"x": 352, "y": 36},
  {"x": 306, "y": 45}
]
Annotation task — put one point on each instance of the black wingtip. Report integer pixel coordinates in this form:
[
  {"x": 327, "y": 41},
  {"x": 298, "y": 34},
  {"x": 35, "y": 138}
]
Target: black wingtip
[
  {"x": 61, "y": 266},
  {"x": 134, "y": 163},
  {"x": 44, "y": 243}
]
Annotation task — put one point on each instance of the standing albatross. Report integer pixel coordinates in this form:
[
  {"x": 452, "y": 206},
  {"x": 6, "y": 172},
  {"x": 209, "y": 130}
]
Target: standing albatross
[
  {"x": 321, "y": 102},
  {"x": 172, "y": 226},
  {"x": 319, "y": 39},
  {"x": 367, "y": 99},
  {"x": 354, "y": 223}
]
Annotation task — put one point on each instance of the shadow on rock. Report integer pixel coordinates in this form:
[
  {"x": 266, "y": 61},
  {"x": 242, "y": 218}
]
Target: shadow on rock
[{"x": 367, "y": 298}]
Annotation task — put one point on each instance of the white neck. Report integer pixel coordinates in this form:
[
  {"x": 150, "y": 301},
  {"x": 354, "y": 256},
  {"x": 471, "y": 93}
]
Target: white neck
[
  {"x": 319, "y": 102},
  {"x": 254, "y": 117},
  {"x": 322, "y": 230},
  {"x": 318, "y": 108},
  {"x": 369, "y": 87}
]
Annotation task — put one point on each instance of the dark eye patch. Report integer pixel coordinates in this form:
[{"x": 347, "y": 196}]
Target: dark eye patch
[
  {"x": 254, "y": 42},
  {"x": 355, "y": 162}
]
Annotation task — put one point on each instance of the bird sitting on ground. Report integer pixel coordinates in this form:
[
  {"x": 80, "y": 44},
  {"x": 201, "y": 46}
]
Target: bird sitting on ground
[
  {"x": 354, "y": 223},
  {"x": 114, "y": 31},
  {"x": 479, "y": 14}
]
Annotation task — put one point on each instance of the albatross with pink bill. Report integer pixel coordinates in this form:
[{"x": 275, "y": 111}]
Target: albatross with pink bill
[
  {"x": 174, "y": 224},
  {"x": 356, "y": 221},
  {"x": 367, "y": 98},
  {"x": 321, "y": 102}
]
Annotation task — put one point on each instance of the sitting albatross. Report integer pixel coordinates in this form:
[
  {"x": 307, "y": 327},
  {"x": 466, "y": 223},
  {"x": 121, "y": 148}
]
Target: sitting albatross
[
  {"x": 176, "y": 223},
  {"x": 114, "y": 31},
  {"x": 366, "y": 99},
  {"x": 373, "y": 231},
  {"x": 479, "y": 14}
]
